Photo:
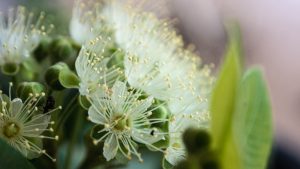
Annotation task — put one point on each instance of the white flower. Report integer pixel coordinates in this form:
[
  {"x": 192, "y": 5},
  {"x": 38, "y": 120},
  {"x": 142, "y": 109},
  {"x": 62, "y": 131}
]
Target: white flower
[
  {"x": 91, "y": 66},
  {"x": 150, "y": 46},
  {"x": 19, "y": 35},
  {"x": 85, "y": 22},
  {"x": 22, "y": 125},
  {"x": 125, "y": 118},
  {"x": 155, "y": 60}
]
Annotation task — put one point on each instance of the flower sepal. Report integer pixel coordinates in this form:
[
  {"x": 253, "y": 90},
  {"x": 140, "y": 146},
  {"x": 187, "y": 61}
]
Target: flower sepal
[{"x": 10, "y": 69}]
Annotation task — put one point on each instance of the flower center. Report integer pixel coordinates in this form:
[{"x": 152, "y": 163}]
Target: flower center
[
  {"x": 122, "y": 123},
  {"x": 11, "y": 130}
]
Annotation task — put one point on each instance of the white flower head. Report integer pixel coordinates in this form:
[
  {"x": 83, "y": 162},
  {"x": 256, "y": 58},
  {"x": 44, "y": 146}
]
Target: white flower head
[
  {"x": 155, "y": 60},
  {"x": 126, "y": 121},
  {"x": 149, "y": 46},
  {"x": 19, "y": 35},
  {"x": 22, "y": 124},
  {"x": 85, "y": 21},
  {"x": 91, "y": 66}
]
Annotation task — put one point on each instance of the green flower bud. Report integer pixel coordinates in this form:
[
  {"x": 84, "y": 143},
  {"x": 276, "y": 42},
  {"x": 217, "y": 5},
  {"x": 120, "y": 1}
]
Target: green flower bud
[
  {"x": 42, "y": 50},
  {"x": 196, "y": 140},
  {"x": 26, "y": 88},
  {"x": 52, "y": 75},
  {"x": 61, "y": 49},
  {"x": 10, "y": 69}
]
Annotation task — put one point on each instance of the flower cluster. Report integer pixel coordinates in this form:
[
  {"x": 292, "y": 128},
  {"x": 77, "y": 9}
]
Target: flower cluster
[
  {"x": 143, "y": 87},
  {"x": 133, "y": 71}
]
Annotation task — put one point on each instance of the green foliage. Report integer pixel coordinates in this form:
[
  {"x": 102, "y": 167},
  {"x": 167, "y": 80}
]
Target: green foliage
[
  {"x": 252, "y": 121},
  {"x": 241, "y": 115},
  {"x": 12, "y": 159},
  {"x": 222, "y": 109}
]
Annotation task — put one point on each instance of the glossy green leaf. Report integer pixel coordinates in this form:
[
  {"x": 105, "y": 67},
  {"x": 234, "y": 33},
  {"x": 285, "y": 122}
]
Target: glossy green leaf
[
  {"x": 252, "y": 121},
  {"x": 68, "y": 79},
  {"x": 12, "y": 159},
  {"x": 222, "y": 108}
]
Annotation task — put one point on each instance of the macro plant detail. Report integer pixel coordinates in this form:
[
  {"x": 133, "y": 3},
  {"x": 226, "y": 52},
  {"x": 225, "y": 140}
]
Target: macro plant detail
[{"x": 121, "y": 88}]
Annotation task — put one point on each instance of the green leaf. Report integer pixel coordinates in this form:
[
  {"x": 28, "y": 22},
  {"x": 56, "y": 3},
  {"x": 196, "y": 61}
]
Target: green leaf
[
  {"x": 68, "y": 79},
  {"x": 223, "y": 105},
  {"x": 252, "y": 122},
  {"x": 12, "y": 159}
]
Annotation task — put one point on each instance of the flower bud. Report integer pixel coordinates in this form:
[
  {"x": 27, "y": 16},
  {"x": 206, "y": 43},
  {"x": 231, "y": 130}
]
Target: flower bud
[
  {"x": 61, "y": 49},
  {"x": 52, "y": 75},
  {"x": 42, "y": 50},
  {"x": 196, "y": 140},
  {"x": 26, "y": 88},
  {"x": 10, "y": 69}
]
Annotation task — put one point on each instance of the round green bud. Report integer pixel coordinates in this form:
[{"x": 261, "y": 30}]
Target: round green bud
[
  {"x": 42, "y": 50},
  {"x": 24, "y": 89},
  {"x": 52, "y": 75},
  {"x": 10, "y": 69},
  {"x": 196, "y": 140},
  {"x": 61, "y": 49},
  {"x": 209, "y": 160}
]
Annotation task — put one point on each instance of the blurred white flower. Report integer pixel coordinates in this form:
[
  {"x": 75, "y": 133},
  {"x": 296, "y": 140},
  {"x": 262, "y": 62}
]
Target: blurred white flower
[
  {"x": 86, "y": 22},
  {"x": 150, "y": 46},
  {"x": 125, "y": 118},
  {"x": 19, "y": 35},
  {"x": 22, "y": 124}
]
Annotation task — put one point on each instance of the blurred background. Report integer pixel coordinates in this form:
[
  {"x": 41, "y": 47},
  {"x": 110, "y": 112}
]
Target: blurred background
[{"x": 271, "y": 38}]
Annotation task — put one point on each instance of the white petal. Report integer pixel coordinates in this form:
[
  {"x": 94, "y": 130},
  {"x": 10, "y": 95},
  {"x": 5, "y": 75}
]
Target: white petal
[
  {"x": 95, "y": 115},
  {"x": 16, "y": 106},
  {"x": 36, "y": 125},
  {"x": 141, "y": 107},
  {"x": 119, "y": 95},
  {"x": 110, "y": 147},
  {"x": 144, "y": 136}
]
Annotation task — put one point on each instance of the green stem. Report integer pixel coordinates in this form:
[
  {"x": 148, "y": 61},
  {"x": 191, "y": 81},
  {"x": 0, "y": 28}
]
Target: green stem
[
  {"x": 14, "y": 80},
  {"x": 74, "y": 139},
  {"x": 66, "y": 112}
]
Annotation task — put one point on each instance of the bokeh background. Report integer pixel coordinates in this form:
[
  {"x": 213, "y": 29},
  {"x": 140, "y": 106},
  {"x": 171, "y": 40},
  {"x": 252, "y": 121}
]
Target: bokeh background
[{"x": 271, "y": 38}]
